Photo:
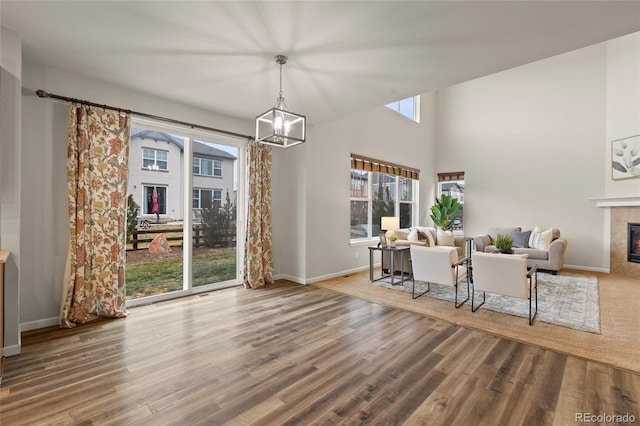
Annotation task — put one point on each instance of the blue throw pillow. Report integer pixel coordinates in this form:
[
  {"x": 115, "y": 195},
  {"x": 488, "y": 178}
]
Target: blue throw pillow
[{"x": 521, "y": 239}]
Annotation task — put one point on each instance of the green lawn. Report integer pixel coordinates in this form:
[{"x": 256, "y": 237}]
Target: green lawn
[{"x": 163, "y": 276}]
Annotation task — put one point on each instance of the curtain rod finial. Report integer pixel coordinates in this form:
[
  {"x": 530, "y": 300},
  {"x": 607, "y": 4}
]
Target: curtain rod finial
[{"x": 41, "y": 93}]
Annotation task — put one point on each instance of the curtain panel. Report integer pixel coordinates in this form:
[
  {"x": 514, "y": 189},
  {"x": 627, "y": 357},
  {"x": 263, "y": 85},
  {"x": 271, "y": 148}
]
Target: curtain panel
[
  {"x": 97, "y": 162},
  {"x": 258, "y": 249}
]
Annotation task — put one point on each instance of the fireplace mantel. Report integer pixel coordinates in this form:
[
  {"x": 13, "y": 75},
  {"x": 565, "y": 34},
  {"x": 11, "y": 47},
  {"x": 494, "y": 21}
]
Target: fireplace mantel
[{"x": 617, "y": 201}]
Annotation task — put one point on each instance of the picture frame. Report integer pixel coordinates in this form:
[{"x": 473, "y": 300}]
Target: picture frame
[
  {"x": 625, "y": 158},
  {"x": 383, "y": 240}
]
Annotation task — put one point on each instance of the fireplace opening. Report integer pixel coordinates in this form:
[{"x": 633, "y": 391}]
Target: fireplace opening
[{"x": 633, "y": 235}]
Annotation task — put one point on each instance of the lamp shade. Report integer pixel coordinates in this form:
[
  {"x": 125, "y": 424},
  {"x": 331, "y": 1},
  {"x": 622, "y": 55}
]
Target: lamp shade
[{"x": 390, "y": 223}]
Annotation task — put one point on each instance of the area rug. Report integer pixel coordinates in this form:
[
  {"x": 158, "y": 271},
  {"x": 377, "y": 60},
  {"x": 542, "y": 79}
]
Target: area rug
[{"x": 565, "y": 299}]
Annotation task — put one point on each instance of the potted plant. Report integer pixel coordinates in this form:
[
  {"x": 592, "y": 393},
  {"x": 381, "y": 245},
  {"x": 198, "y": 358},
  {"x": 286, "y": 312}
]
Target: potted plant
[
  {"x": 443, "y": 214},
  {"x": 392, "y": 239},
  {"x": 503, "y": 243}
]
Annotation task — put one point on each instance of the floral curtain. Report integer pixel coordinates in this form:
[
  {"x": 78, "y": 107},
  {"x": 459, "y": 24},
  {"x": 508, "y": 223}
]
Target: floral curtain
[
  {"x": 258, "y": 250},
  {"x": 98, "y": 154}
]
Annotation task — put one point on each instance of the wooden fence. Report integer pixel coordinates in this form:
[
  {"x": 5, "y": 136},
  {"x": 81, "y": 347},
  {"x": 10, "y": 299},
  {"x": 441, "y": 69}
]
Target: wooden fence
[{"x": 141, "y": 238}]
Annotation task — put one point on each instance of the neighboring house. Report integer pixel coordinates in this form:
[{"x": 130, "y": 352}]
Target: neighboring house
[{"x": 156, "y": 162}]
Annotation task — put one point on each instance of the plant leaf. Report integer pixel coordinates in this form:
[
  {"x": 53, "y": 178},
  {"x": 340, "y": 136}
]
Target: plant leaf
[{"x": 619, "y": 167}]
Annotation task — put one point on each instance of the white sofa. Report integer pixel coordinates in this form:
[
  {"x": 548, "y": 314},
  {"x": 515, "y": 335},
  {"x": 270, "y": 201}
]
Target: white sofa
[
  {"x": 549, "y": 258},
  {"x": 419, "y": 237}
]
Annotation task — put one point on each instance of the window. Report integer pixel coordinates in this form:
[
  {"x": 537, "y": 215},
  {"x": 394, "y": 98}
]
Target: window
[
  {"x": 453, "y": 184},
  {"x": 203, "y": 198},
  {"x": 154, "y": 159},
  {"x": 207, "y": 167},
  {"x": 161, "y": 192},
  {"x": 378, "y": 190},
  {"x": 409, "y": 107}
]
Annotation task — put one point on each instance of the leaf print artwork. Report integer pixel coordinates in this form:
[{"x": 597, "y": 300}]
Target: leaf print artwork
[{"x": 625, "y": 158}]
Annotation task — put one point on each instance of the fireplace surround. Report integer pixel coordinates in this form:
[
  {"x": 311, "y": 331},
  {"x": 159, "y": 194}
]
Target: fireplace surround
[{"x": 633, "y": 242}]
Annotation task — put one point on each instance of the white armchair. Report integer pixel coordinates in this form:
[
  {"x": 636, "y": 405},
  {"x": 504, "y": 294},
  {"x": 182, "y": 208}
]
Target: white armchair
[
  {"x": 439, "y": 265},
  {"x": 504, "y": 274}
]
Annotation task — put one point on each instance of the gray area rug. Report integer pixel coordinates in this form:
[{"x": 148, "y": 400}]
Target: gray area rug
[{"x": 565, "y": 299}]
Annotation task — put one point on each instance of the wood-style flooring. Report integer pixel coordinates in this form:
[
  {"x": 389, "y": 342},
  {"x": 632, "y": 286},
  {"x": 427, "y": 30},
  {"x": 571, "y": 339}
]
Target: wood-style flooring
[{"x": 298, "y": 355}]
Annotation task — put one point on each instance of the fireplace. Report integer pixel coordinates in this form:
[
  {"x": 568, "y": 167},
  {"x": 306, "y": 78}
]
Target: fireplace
[{"x": 633, "y": 233}]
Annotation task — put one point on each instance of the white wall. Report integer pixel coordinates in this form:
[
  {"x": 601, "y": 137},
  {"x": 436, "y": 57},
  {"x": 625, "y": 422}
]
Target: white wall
[
  {"x": 316, "y": 176},
  {"x": 623, "y": 106},
  {"x": 530, "y": 140},
  {"x": 10, "y": 183}
]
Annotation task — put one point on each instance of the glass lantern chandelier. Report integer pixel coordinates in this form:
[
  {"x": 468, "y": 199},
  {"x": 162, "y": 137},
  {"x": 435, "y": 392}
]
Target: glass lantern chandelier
[{"x": 279, "y": 126}]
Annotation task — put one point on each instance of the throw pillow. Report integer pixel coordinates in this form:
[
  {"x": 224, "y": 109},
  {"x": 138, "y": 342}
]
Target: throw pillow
[
  {"x": 427, "y": 238},
  {"x": 521, "y": 239},
  {"x": 445, "y": 238},
  {"x": 413, "y": 236},
  {"x": 534, "y": 236},
  {"x": 541, "y": 239},
  {"x": 401, "y": 234}
]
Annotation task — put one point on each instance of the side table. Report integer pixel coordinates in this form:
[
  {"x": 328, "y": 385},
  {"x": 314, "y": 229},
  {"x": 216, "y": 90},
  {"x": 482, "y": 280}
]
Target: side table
[{"x": 391, "y": 251}]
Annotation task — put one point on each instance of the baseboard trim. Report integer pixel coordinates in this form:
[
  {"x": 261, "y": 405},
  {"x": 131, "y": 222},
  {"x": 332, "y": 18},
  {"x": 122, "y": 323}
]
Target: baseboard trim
[
  {"x": 42, "y": 323},
  {"x": 296, "y": 280},
  {"x": 587, "y": 268},
  {"x": 11, "y": 350},
  {"x": 338, "y": 274}
]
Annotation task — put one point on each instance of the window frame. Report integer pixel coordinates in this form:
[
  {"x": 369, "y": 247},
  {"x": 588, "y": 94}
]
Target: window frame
[
  {"x": 460, "y": 230},
  {"x": 369, "y": 199},
  {"x": 397, "y": 106},
  {"x": 213, "y": 198},
  {"x": 154, "y": 165},
  {"x": 216, "y": 167}
]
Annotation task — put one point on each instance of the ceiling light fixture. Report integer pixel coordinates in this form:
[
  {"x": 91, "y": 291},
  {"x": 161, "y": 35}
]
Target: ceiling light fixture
[{"x": 279, "y": 126}]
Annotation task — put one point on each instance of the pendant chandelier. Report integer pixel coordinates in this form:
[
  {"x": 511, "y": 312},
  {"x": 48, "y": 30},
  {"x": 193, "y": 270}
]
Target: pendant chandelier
[{"x": 279, "y": 126}]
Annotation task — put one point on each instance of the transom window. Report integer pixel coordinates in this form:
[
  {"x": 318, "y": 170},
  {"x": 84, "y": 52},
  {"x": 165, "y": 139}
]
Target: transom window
[
  {"x": 207, "y": 167},
  {"x": 154, "y": 159},
  {"x": 207, "y": 198},
  {"x": 409, "y": 107}
]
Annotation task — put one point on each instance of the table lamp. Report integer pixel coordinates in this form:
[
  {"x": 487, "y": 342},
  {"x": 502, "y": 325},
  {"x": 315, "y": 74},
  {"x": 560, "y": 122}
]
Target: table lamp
[{"x": 389, "y": 223}]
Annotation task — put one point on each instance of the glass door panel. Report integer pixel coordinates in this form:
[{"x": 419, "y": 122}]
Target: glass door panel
[{"x": 215, "y": 214}]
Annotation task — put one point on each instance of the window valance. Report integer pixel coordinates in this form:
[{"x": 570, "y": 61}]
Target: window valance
[
  {"x": 359, "y": 162},
  {"x": 444, "y": 177}
]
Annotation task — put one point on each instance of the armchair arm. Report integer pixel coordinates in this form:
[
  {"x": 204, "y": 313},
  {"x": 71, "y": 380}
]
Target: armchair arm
[
  {"x": 481, "y": 241},
  {"x": 461, "y": 261},
  {"x": 557, "y": 249}
]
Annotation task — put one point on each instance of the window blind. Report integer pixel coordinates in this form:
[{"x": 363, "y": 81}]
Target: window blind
[
  {"x": 444, "y": 177},
  {"x": 358, "y": 162}
]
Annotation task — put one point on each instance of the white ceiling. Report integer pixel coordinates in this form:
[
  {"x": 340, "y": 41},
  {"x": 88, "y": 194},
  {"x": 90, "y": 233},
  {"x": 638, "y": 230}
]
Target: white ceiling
[{"x": 343, "y": 56}]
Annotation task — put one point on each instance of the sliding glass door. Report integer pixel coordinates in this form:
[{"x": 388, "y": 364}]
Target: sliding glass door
[{"x": 185, "y": 212}]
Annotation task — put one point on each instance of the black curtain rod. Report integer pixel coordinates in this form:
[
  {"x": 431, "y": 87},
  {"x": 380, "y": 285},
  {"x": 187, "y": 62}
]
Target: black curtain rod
[{"x": 43, "y": 94}]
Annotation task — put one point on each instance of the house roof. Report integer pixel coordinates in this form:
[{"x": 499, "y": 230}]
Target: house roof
[{"x": 200, "y": 149}]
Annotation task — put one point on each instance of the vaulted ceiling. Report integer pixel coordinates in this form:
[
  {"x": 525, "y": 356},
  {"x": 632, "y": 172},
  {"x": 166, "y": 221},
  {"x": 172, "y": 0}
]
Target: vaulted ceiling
[{"x": 343, "y": 56}]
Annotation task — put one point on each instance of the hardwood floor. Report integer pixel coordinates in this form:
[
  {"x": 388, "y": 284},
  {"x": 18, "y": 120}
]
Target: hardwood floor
[
  {"x": 617, "y": 345},
  {"x": 298, "y": 355}
]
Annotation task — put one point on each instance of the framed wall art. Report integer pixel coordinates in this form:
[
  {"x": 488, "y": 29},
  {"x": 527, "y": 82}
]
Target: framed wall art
[{"x": 625, "y": 158}]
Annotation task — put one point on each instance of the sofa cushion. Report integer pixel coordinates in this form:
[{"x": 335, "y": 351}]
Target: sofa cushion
[
  {"x": 521, "y": 239},
  {"x": 493, "y": 232},
  {"x": 533, "y": 253},
  {"x": 401, "y": 234}
]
